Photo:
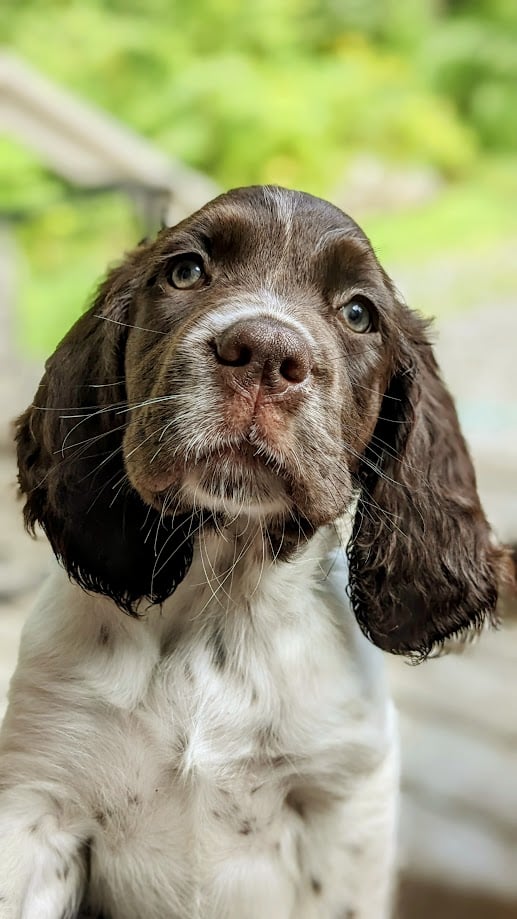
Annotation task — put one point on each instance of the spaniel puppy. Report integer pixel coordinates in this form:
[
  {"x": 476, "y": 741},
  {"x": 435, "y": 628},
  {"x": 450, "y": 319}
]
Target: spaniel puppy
[{"x": 199, "y": 726}]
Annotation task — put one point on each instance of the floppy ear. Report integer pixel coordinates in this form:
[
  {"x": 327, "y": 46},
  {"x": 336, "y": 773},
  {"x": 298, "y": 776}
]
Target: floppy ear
[
  {"x": 71, "y": 467},
  {"x": 423, "y": 565}
]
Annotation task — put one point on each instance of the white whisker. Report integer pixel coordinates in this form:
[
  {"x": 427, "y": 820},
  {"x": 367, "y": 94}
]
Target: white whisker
[{"x": 128, "y": 325}]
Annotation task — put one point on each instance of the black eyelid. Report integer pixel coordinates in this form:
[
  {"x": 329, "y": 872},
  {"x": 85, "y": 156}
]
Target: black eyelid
[
  {"x": 193, "y": 256},
  {"x": 360, "y": 298}
]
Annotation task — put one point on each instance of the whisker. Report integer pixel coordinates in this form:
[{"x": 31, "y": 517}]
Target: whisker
[
  {"x": 190, "y": 534},
  {"x": 89, "y": 440},
  {"x": 129, "y": 325}
]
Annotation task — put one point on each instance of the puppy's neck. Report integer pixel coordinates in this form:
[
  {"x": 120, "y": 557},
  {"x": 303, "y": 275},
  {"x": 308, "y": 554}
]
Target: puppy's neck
[{"x": 243, "y": 562}]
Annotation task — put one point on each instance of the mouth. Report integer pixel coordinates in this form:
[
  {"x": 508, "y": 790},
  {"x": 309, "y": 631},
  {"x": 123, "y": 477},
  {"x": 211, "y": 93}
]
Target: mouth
[{"x": 242, "y": 477}]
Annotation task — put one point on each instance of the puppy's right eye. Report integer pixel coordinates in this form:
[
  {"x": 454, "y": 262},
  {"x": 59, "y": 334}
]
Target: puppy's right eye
[
  {"x": 186, "y": 271},
  {"x": 358, "y": 314}
]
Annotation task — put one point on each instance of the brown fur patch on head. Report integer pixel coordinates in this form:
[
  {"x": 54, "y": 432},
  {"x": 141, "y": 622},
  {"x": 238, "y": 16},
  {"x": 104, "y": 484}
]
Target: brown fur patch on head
[{"x": 145, "y": 425}]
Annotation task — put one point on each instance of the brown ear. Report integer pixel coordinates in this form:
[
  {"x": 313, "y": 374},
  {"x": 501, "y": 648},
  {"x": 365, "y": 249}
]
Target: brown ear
[
  {"x": 423, "y": 564},
  {"x": 71, "y": 467}
]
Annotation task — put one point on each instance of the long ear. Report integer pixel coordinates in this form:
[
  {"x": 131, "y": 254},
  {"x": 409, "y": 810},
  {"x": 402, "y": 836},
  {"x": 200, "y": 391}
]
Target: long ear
[
  {"x": 423, "y": 564},
  {"x": 71, "y": 467}
]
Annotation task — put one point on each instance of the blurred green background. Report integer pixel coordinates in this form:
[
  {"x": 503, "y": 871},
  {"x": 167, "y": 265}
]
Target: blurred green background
[{"x": 307, "y": 94}]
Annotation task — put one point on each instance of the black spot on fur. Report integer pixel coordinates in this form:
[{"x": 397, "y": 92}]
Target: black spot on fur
[
  {"x": 245, "y": 829},
  {"x": 278, "y": 762},
  {"x": 104, "y": 634},
  {"x": 295, "y": 804},
  {"x": 218, "y": 649},
  {"x": 101, "y": 818},
  {"x": 316, "y": 885},
  {"x": 86, "y": 856}
]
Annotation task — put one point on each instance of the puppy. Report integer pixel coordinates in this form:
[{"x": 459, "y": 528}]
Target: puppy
[{"x": 199, "y": 725}]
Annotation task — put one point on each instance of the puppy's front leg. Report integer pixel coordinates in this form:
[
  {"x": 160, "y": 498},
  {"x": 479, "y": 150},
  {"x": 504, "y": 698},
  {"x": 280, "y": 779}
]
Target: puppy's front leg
[
  {"x": 350, "y": 851},
  {"x": 43, "y": 863}
]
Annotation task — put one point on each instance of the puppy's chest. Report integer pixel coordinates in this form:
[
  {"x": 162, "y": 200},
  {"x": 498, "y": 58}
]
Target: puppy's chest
[
  {"x": 229, "y": 706},
  {"x": 240, "y": 730}
]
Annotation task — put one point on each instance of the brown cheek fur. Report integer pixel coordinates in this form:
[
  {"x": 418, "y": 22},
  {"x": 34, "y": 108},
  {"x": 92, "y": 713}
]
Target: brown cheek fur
[{"x": 423, "y": 564}]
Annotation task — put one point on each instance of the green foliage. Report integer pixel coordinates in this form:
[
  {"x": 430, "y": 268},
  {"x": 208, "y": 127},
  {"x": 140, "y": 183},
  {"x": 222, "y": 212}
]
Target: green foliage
[
  {"x": 475, "y": 62},
  {"x": 66, "y": 246},
  {"x": 284, "y": 91},
  {"x": 256, "y": 90}
]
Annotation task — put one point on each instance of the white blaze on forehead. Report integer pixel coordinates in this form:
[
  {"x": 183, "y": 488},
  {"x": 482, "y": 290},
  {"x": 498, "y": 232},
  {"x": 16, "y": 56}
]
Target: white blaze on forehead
[{"x": 283, "y": 205}]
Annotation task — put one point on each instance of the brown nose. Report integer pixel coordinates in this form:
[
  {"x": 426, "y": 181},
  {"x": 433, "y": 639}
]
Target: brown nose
[{"x": 264, "y": 351}]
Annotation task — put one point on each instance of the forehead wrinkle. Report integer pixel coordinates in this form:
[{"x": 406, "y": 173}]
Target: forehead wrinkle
[
  {"x": 184, "y": 240},
  {"x": 340, "y": 234},
  {"x": 348, "y": 254},
  {"x": 283, "y": 203}
]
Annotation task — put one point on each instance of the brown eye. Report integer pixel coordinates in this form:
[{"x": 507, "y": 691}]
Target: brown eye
[
  {"x": 358, "y": 315},
  {"x": 186, "y": 272}
]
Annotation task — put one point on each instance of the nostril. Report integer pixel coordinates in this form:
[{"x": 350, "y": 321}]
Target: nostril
[
  {"x": 232, "y": 353},
  {"x": 244, "y": 357},
  {"x": 294, "y": 370}
]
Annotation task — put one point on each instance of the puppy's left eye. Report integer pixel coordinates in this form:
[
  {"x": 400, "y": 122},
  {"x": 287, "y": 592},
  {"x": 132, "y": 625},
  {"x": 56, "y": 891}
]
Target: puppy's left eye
[
  {"x": 186, "y": 271},
  {"x": 358, "y": 315}
]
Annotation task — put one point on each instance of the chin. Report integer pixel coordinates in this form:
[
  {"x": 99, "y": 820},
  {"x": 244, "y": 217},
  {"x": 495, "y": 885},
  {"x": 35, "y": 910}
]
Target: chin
[{"x": 236, "y": 490}]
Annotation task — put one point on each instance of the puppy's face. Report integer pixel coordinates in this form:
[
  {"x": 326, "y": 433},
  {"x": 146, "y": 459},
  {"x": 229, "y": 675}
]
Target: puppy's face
[
  {"x": 255, "y": 359},
  {"x": 261, "y": 381}
]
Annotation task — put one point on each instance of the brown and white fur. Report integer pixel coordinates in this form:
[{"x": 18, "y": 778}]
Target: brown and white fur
[{"x": 199, "y": 725}]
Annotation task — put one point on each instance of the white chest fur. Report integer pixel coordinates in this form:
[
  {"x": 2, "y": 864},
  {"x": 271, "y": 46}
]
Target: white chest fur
[{"x": 200, "y": 741}]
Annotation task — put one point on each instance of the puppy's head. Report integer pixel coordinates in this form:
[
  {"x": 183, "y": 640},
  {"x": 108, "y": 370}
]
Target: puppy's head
[{"x": 255, "y": 360}]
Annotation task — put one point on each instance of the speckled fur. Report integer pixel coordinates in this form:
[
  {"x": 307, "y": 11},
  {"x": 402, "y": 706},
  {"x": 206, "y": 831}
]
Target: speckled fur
[{"x": 237, "y": 764}]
